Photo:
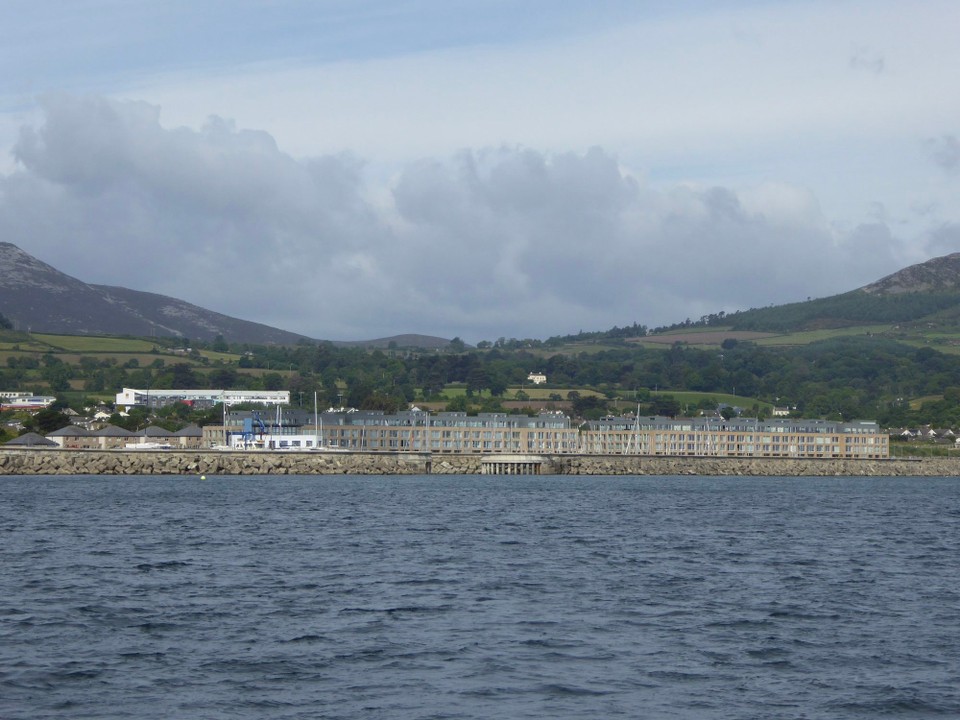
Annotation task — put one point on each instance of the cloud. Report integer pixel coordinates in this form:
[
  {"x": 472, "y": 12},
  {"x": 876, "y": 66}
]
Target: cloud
[
  {"x": 945, "y": 152},
  {"x": 944, "y": 240},
  {"x": 508, "y": 241},
  {"x": 864, "y": 58}
]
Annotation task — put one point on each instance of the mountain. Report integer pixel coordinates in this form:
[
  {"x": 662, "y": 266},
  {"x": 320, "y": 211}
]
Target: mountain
[
  {"x": 40, "y": 298},
  {"x": 928, "y": 292},
  {"x": 939, "y": 275}
]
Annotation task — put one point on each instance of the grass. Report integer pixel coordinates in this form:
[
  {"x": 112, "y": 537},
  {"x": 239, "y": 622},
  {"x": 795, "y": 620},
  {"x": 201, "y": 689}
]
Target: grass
[
  {"x": 917, "y": 403},
  {"x": 95, "y": 344},
  {"x": 695, "y": 398},
  {"x": 900, "y": 449},
  {"x": 572, "y": 349},
  {"x": 812, "y": 336}
]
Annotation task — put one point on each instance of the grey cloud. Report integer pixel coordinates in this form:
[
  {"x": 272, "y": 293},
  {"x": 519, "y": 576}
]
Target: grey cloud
[
  {"x": 864, "y": 58},
  {"x": 944, "y": 240},
  {"x": 581, "y": 236},
  {"x": 945, "y": 152},
  {"x": 219, "y": 217},
  {"x": 506, "y": 241}
]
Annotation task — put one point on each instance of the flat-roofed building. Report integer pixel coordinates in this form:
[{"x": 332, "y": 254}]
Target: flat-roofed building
[
  {"x": 737, "y": 437},
  {"x": 133, "y": 397},
  {"x": 406, "y": 431}
]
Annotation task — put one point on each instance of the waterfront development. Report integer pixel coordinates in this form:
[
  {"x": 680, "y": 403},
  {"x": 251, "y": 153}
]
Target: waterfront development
[{"x": 552, "y": 433}]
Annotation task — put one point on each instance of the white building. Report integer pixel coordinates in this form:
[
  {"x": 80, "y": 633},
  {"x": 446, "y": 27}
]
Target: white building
[
  {"x": 131, "y": 397},
  {"x": 537, "y": 378},
  {"x": 27, "y": 402}
]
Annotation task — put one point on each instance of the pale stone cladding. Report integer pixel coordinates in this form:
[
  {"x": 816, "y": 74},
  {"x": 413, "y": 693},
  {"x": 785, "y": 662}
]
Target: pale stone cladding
[
  {"x": 413, "y": 431},
  {"x": 450, "y": 432},
  {"x": 744, "y": 437},
  {"x": 552, "y": 433}
]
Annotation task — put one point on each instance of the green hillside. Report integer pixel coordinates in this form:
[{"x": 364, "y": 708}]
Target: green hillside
[{"x": 887, "y": 352}]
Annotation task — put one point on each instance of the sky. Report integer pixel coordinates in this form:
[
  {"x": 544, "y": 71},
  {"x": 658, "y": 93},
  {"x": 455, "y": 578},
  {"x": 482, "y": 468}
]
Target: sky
[{"x": 356, "y": 169}]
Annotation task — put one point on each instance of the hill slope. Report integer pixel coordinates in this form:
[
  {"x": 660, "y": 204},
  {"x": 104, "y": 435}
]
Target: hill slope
[
  {"x": 38, "y": 297},
  {"x": 916, "y": 293}
]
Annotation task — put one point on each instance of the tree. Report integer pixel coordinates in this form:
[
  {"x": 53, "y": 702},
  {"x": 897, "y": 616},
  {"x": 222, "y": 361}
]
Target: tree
[
  {"x": 458, "y": 404},
  {"x": 57, "y": 374},
  {"x": 665, "y": 405},
  {"x": 477, "y": 380},
  {"x": 50, "y": 419},
  {"x": 497, "y": 384},
  {"x": 223, "y": 377},
  {"x": 272, "y": 381},
  {"x": 219, "y": 344},
  {"x": 590, "y": 407},
  {"x": 184, "y": 377}
]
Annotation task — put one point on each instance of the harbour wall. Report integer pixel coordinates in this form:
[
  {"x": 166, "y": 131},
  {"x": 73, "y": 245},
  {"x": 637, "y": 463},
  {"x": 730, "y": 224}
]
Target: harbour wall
[{"x": 199, "y": 462}]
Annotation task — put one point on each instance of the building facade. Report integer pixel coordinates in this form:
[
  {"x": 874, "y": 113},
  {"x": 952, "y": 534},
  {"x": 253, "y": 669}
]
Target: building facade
[
  {"x": 739, "y": 437},
  {"x": 133, "y": 397},
  {"x": 407, "y": 431},
  {"x": 549, "y": 433}
]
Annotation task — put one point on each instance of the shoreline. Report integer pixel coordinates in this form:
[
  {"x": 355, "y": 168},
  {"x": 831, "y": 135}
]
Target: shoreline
[{"x": 213, "y": 462}]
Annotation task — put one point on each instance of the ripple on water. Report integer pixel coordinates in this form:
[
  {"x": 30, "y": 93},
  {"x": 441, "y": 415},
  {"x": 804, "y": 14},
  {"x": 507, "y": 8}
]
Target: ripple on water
[{"x": 431, "y": 597}]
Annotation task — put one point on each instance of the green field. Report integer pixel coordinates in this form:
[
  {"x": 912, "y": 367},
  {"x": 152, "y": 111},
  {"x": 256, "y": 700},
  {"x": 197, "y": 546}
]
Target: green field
[
  {"x": 95, "y": 344},
  {"x": 812, "y": 336}
]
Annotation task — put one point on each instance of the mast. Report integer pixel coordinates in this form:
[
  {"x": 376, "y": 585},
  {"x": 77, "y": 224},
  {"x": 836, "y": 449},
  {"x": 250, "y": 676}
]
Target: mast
[{"x": 318, "y": 439}]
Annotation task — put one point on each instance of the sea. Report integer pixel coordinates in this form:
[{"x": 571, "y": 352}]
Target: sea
[{"x": 465, "y": 597}]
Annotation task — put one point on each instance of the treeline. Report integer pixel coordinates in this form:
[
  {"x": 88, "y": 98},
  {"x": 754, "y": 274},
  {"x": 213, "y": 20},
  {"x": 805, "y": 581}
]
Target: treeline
[
  {"x": 857, "y": 377},
  {"x": 852, "y": 308},
  {"x": 860, "y": 377}
]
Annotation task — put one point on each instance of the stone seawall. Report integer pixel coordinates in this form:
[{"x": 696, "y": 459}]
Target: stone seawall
[{"x": 199, "y": 462}]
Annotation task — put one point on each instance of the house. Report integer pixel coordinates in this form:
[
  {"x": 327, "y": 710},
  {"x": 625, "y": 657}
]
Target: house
[
  {"x": 31, "y": 440},
  {"x": 537, "y": 378},
  {"x": 111, "y": 437},
  {"x": 190, "y": 437},
  {"x": 157, "y": 437},
  {"x": 73, "y": 437}
]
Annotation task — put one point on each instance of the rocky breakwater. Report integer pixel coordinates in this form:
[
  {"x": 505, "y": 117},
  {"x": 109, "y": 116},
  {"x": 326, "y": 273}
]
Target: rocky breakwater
[
  {"x": 773, "y": 467},
  {"x": 199, "y": 462},
  {"x": 173, "y": 462}
]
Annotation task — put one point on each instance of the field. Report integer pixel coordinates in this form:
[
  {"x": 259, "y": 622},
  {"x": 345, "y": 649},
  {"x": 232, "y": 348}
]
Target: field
[
  {"x": 700, "y": 337},
  {"x": 812, "y": 336},
  {"x": 95, "y": 344},
  {"x": 714, "y": 337}
]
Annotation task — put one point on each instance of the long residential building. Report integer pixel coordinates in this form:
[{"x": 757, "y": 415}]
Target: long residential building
[
  {"x": 407, "y": 431},
  {"x": 738, "y": 437},
  {"x": 551, "y": 433}
]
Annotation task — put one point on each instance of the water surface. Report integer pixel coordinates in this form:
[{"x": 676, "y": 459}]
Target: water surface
[{"x": 479, "y": 597}]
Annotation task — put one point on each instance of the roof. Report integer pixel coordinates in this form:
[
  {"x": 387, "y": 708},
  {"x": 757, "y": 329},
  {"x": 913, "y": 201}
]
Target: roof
[
  {"x": 70, "y": 431},
  {"x": 113, "y": 431},
  {"x": 154, "y": 431},
  {"x": 31, "y": 439},
  {"x": 189, "y": 431}
]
